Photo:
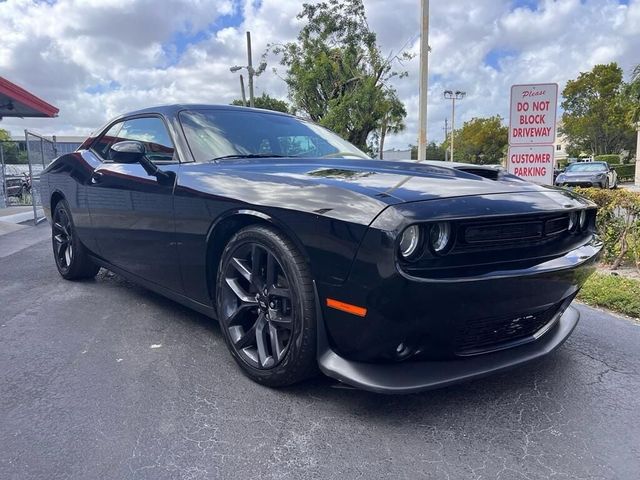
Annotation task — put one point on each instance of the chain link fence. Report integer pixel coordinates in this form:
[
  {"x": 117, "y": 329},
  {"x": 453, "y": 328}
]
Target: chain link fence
[
  {"x": 14, "y": 174},
  {"x": 40, "y": 151},
  {"x": 21, "y": 163}
]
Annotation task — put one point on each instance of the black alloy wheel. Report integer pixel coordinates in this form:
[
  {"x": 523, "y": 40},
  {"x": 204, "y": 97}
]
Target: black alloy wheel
[
  {"x": 62, "y": 239},
  {"x": 70, "y": 255},
  {"x": 266, "y": 307}
]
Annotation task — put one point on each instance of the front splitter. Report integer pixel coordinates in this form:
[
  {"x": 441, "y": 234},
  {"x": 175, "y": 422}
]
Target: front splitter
[{"x": 410, "y": 377}]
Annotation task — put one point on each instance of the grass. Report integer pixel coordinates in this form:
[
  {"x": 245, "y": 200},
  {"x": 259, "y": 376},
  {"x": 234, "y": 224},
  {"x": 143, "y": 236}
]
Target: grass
[{"x": 613, "y": 292}]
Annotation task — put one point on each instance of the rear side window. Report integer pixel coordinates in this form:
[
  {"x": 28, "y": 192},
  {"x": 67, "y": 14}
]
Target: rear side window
[{"x": 102, "y": 145}]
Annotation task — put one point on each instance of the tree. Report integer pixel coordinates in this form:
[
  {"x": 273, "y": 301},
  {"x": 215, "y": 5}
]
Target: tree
[
  {"x": 480, "y": 140},
  {"x": 596, "y": 116},
  {"x": 267, "y": 102},
  {"x": 434, "y": 152},
  {"x": 392, "y": 121},
  {"x": 10, "y": 150},
  {"x": 337, "y": 75},
  {"x": 633, "y": 93}
]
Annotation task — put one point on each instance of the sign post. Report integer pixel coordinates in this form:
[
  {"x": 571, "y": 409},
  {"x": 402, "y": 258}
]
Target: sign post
[{"x": 532, "y": 131}]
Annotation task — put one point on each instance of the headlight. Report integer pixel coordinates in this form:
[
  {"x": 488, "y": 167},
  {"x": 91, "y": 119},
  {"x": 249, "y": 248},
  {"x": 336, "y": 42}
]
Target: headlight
[
  {"x": 583, "y": 219},
  {"x": 439, "y": 236},
  {"x": 573, "y": 221},
  {"x": 410, "y": 241}
]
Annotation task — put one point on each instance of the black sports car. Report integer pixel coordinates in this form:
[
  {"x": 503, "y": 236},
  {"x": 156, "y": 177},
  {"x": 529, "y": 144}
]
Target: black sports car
[{"x": 390, "y": 276}]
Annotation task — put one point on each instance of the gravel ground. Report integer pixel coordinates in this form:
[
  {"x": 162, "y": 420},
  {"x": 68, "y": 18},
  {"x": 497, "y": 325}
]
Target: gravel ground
[{"x": 104, "y": 379}]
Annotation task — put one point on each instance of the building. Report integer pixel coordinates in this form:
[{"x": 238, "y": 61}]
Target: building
[
  {"x": 396, "y": 154},
  {"x": 64, "y": 143},
  {"x": 560, "y": 146}
]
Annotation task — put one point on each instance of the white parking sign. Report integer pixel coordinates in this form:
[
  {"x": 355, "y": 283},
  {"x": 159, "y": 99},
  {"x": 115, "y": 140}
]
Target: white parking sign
[
  {"x": 533, "y": 163},
  {"x": 533, "y": 114}
]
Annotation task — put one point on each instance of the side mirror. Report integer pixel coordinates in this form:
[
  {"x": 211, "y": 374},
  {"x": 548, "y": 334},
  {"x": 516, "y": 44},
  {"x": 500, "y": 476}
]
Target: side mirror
[
  {"x": 133, "y": 151},
  {"x": 128, "y": 151}
]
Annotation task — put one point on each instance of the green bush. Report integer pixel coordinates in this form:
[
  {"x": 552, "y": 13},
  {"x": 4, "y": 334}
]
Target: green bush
[
  {"x": 625, "y": 172},
  {"x": 613, "y": 292},
  {"x": 612, "y": 158},
  {"x": 618, "y": 224}
]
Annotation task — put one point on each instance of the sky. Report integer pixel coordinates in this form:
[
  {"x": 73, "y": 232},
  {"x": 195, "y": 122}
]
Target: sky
[{"x": 96, "y": 59}]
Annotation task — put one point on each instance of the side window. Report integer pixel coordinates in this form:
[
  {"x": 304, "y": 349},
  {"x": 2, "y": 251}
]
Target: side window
[
  {"x": 153, "y": 133},
  {"x": 101, "y": 147}
]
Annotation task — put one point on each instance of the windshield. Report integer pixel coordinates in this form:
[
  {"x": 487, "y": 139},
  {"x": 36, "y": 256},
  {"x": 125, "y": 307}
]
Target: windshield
[
  {"x": 220, "y": 133},
  {"x": 587, "y": 167}
]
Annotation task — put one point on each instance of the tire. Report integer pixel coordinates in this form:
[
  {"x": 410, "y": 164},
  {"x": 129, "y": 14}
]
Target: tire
[
  {"x": 72, "y": 260},
  {"x": 266, "y": 307},
  {"x": 605, "y": 185}
]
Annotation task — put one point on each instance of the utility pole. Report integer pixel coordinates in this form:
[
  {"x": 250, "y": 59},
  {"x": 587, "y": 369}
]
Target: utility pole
[
  {"x": 424, "y": 80},
  {"x": 250, "y": 69},
  {"x": 251, "y": 72},
  {"x": 244, "y": 97},
  {"x": 446, "y": 134},
  {"x": 453, "y": 96}
]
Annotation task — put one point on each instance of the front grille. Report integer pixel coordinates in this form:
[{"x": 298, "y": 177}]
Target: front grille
[
  {"x": 487, "y": 334},
  {"x": 503, "y": 232},
  {"x": 525, "y": 231}
]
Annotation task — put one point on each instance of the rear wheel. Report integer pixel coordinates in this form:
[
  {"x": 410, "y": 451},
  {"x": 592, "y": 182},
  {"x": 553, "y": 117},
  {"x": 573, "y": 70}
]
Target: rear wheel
[
  {"x": 71, "y": 256},
  {"x": 266, "y": 307}
]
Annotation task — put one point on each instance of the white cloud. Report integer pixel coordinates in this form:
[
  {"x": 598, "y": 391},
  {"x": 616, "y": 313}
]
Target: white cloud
[{"x": 95, "y": 59}]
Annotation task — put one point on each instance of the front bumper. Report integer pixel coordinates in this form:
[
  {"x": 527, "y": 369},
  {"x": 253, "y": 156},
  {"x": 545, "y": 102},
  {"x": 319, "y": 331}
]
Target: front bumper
[
  {"x": 580, "y": 183},
  {"x": 410, "y": 377},
  {"x": 427, "y": 332}
]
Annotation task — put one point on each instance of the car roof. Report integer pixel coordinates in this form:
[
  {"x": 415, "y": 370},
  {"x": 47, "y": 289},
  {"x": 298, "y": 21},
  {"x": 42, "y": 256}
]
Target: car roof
[{"x": 175, "y": 108}]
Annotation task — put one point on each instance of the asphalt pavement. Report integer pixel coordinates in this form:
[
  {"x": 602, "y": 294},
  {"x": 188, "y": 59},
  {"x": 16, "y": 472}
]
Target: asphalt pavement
[{"x": 103, "y": 379}]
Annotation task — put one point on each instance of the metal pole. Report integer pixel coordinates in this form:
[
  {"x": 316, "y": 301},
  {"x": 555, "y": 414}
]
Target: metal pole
[
  {"x": 446, "y": 134},
  {"x": 35, "y": 213},
  {"x": 637, "y": 176},
  {"x": 250, "y": 69},
  {"x": 244, "y": 96},
  {"x": 4, "y": 180},
  {"x": 424, "y": 80},
  {"x": 453, "y": 123}
]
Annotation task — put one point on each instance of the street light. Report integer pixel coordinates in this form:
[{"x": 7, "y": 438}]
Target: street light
[
  {"x": 252, "y": 71},
  {"x": 453, "y": 96}
]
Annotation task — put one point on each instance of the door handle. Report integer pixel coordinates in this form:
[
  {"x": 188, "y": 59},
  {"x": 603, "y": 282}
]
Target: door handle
[{"x": 96, "y": 177}]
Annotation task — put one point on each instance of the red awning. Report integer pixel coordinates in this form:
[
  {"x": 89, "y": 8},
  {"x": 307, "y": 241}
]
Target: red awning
[{"x": 17, "y": 102}]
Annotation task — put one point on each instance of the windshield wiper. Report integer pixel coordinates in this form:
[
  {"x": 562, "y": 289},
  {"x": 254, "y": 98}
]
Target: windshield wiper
[{"x": 249, "y": 155}]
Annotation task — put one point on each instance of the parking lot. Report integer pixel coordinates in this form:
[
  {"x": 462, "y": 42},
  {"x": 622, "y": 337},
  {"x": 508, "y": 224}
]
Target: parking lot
[{"x": 104, "y": 379}]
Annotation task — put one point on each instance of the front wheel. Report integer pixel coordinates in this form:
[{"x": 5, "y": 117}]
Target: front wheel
[
  {"x": 71, "y": 256},
  {"x": 266, "y": 307}
]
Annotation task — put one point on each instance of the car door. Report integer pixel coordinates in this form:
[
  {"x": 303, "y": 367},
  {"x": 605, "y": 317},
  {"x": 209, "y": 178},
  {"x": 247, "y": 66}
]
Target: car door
[{"x": 131, "y": 211}]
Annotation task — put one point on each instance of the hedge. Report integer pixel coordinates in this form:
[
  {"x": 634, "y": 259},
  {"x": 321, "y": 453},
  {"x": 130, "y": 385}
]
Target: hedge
[
  {"x": 618, "y": 224},
  {"x": 609, "y": 158},
  {"x": 625, "y": 172}
]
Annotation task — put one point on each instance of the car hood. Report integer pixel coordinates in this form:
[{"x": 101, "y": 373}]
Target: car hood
[
  {"x": 350, "y": 190},
  {"x": 391, "y": 182}
]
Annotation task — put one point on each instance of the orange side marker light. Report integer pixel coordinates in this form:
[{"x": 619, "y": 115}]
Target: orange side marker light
[{"x": 346, "y": 307}]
